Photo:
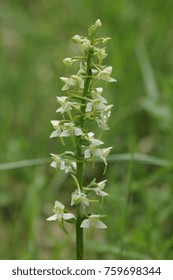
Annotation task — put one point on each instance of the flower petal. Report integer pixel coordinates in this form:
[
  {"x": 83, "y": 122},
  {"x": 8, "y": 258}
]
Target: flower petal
[
  {"x": 53, "y": 164},
  {"x": 55, "y": 133},
  {"x": 53, "y": 218},
  {"x": 68, "y": 216},
  {"x": 85, "y": 223},
  {"x": 87, "y": 153},
  {"x": 78, "y": 131},
  {"x": 100, "y": 225},
  {"x": 65, "y": 133},
  {"x": 55, "y": 124},
  {"x": 59, "y": 205}
]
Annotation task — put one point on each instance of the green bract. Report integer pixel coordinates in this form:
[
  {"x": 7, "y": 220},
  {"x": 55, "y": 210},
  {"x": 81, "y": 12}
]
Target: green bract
[{"x": 83, "y": 103}]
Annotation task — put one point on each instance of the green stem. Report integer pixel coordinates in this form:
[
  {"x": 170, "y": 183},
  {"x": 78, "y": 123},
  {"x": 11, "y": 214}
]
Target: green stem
[
  {"x": 80, "y": 165},
  {"x": 79, "y": 236}
]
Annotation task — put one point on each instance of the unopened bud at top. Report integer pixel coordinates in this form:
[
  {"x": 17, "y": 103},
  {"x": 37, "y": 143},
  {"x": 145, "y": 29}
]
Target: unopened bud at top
[{"x": 98, "y": 23}]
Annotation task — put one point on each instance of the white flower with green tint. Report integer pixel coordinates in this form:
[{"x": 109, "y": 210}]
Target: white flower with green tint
[
  {"x": 86, "y": 44},
  {"x": 69, "y": 129},
  {"x": 101, "y": 54},
  {"x": 98, "y": 90},
  {"x": 93, "y": 149},
  {"x": 105, "y": 75},
  {"x": 103, "y": 117},
  {"x": 74, "y": 80},
  {"x": 99, "y": 189},
  {"x": 60, "y": 215},
  {"x": 79, "y": 197},
  {"x": 65, "y": 130},
  {"x": 97, "y": 104},
  {"x": 66, "y": 105},
  {"x": 105, "y": 152},
  {"x": 93, "y": 221},
  {"x": 63, "y": 163}
]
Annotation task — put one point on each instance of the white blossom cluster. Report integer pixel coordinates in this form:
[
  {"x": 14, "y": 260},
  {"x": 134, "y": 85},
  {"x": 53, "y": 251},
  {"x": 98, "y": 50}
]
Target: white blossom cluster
[{"x": 82, "y": 103}]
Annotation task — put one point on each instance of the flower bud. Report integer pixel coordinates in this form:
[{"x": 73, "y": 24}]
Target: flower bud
[
  {"x": 68, "y": 61},
  {"x": 77, "y": 39},
  {"x": 86, "y": 44},
  {"x": 98, "y": 23},
  {"x": 106, "y": 41}
]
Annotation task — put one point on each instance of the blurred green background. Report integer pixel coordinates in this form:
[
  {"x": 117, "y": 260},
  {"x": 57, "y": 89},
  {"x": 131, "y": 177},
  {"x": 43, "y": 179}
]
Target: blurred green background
[{"x": 35, "y": 37}]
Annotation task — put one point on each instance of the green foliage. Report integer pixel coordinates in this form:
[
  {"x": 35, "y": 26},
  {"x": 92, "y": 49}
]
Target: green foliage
[{"x": 139, "y": 208}]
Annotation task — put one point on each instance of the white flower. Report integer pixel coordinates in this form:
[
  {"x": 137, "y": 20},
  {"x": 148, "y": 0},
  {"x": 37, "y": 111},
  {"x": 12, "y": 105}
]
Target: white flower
[
  {"x": 68, "y": 83},
  {"x": 66, "y": 106},
  {"x": 57, "y": 127},
  {"x": 101, "y": 54},
  {"x": 96, "y": 104},
  {"x": 86, "y": 44},
  {"x": 99, "y": 189},
  {"x": 78, "y": 81},
  {"x": 62, "y": 164},
  {"x": 105, "y": 74},
  {"x": 102, "y": 119},
  {"x": 74, "y": 80},
  {"x": 92, "y": 150},
  {"x": 99, "y": 90},
  {"x": 65, "y": 130},
  {"x": 90, "y": 135},
  {"x": 105, "y": 153},
  {"x": 55, "y": 124},
  {"x": 93, "y": 221},
  {"x": 69, "y": 129},
  {"x": 79, "y": 197},
  {"x": 59, "y": 213}
]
